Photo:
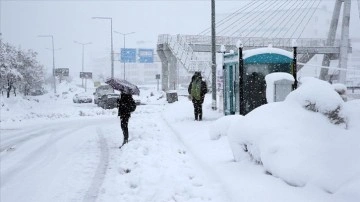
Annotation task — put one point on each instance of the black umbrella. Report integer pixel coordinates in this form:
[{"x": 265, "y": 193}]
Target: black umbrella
[{"x": 123, "y": 86}]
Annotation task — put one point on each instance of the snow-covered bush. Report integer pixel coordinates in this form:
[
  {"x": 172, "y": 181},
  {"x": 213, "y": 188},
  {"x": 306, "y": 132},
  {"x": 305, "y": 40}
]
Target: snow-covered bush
[
  {"x": 300, "y": 146},
  {"x": 319, "y": 96}
]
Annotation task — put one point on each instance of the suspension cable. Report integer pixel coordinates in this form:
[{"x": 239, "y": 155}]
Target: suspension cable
[
  {"x": 309, "y": 19},
  {"x": 296, "y": 12},
  {"x": 283, "y": 17},
  {"x": 240, "y": 18},
  {"x": 272, "y": 13},
  {"x": 302, "y": 19},
  {"x": 251, "y": 20},
  {"x": 224, "y": 20}
]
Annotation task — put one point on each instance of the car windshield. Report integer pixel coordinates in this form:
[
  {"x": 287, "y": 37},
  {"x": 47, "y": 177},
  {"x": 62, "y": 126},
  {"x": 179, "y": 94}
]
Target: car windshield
[
  {"x": 104, "y": 89},
  {"x": 113, "y": 96}
]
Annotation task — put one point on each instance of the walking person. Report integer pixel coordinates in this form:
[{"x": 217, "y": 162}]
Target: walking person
[
  {"x": 126, "y": 105},
  {"x": 197, "y": 89}
]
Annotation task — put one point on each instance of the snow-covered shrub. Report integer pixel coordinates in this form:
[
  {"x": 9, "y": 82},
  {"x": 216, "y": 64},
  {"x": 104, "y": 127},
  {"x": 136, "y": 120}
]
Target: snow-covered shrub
[
  {"x": 220, "y": 126},
  {"x": 319, "y": 96},
  {"x": 299, "y": 146}
]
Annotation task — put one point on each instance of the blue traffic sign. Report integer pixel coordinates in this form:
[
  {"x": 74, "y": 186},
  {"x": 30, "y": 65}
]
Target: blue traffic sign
[
  {"x": 128, "y": 55},
  {"x": 146, "y": 55}
]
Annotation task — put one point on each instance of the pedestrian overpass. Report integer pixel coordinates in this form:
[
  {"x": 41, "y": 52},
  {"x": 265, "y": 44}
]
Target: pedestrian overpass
[{"x": 192, "y": 52}]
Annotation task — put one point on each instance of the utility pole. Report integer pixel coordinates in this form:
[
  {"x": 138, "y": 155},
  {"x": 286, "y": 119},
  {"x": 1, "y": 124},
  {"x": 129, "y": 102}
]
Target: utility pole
[
  {"x": 359, "y": 7},
  {"x": 112, "y": 50},
  {"x": 82, "y": 63},
  {"x": 53, "y": 51},
  {"x": 213, "y": 56},
  {"x": 124, "y": 35}
]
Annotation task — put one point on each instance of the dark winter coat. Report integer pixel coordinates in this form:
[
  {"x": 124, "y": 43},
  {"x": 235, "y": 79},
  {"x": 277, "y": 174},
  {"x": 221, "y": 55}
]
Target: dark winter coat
[
  {"x": 255, "y": 91},
  {"x": 204, "y": 89},
  {"x": 126, "y": 105}
]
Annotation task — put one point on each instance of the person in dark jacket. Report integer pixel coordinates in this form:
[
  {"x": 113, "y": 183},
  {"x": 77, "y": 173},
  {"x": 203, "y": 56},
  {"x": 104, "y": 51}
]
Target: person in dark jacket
[
  {"x": 197, "y": 89},
  {"x": 126, "y": 105},
  {"x": 255, "y": 91}
]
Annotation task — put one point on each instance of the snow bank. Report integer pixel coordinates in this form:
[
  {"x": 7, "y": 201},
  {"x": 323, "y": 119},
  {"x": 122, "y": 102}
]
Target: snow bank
[
  {"x": 52, "y": 106},
  {"x": 220, "y": 127},
  {"x": 300, "y": 146}
]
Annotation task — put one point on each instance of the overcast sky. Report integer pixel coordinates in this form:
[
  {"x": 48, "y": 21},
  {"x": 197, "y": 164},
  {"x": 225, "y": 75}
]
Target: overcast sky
[{"x": 68, "y": 21}]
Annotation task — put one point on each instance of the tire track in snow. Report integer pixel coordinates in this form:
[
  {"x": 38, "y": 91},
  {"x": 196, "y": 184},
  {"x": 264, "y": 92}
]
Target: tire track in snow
[
  {"x": 29, "y": 133},
  {"x": 99, "y": 176},
  {"x": 15, "y": 140},
  {"x": 36, "y": 155}
]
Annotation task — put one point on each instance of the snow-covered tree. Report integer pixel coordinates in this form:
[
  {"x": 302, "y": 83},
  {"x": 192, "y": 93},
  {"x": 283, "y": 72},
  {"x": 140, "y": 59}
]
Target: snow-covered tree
[
  {"x": 8, "y": 74},
  {"x": 19, "y": 70},
  {"x": 31, "y": 70}
]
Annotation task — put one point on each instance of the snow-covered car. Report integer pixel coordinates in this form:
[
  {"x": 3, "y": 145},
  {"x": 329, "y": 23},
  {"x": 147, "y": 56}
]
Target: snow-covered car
[
  {"x": 82, "y": 98},
  {"x": 108, "y": 101},
  {"x": 100, "y": 91},
  {"x": 137, "y": 99}
]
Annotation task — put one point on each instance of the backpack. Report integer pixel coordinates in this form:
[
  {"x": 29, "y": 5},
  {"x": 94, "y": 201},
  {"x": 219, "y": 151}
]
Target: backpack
[
  {"x": 196, "y": 89},
  {"x": 132, "y": 106}
]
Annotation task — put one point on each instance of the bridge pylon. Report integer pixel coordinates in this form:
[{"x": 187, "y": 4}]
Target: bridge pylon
[{"x": 344, "y": 45}]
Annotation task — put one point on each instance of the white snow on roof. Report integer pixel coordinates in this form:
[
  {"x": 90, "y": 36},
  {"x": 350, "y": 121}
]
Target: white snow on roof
[{"x": 258, "y": 51}]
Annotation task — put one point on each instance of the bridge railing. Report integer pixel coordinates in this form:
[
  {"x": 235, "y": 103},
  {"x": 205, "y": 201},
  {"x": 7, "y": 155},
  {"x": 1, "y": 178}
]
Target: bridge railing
[
  {"x": 181, "y": 49},
  {"x": 259, "y": 41}
]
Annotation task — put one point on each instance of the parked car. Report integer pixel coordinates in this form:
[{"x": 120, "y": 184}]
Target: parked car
[
  {"x": 100, "y": 91},
  {"x": 108, "y": 101},
  {"x": 37, "y": 92},
  {"x": 82, "y": 98},
  {"x": 137, "y": 99}
]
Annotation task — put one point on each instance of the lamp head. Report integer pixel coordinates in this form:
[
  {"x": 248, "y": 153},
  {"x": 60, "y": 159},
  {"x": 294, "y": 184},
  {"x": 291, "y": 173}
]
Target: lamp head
[
  {"x": 239, "y": 44},
  {"x": 222, "y": 49}
]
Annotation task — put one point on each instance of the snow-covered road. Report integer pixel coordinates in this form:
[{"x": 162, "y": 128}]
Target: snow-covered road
[
  {"x": 53, "y": 161},
  {"x": 78, "y": 159}
]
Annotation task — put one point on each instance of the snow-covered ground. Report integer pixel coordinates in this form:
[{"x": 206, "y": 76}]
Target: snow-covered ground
[{"x": 52, "y": 149}]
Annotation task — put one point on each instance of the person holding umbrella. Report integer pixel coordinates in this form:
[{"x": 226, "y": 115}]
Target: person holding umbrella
[{"x": 126, "y": 105}]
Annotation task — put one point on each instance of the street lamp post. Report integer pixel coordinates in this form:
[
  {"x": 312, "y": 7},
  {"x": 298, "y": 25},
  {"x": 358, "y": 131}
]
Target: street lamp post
[
  {"x": 53, "y": 50},
  {"x": 112, "y": 50},
  {"x": 241, "y": 78},
  {"x": 82, "y": 64},
  {"x": 124, "y": 35}
]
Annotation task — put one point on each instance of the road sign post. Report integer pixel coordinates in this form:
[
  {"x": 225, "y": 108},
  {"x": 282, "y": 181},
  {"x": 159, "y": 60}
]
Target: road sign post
[
  {"x": 61, "y": 72},
  {"x": 127, "y": 55},
  {"x": 86, "y": 75},
  {"x": 157, "y": 77}
]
